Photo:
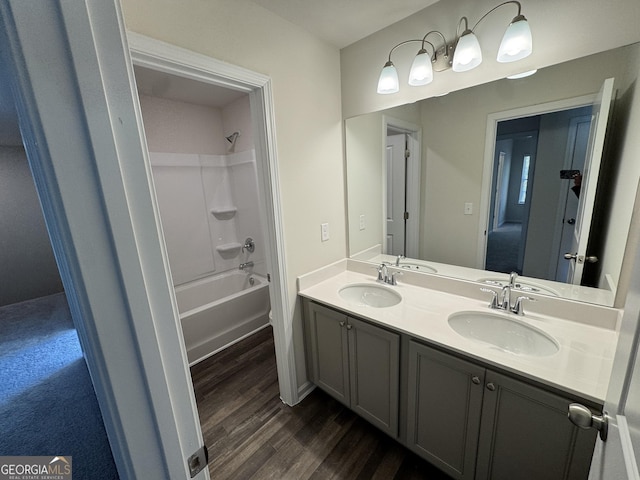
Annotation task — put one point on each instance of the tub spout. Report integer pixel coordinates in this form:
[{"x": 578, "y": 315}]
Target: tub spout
[{"x": 245, "y": 265}]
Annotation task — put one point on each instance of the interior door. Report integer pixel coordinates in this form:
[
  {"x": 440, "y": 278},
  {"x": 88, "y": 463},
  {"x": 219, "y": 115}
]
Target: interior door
[
  {"x": 618, "y": 457},
  {"x": 576, "y": 152},
  {"x": 600, "y": 113},
  {"x": 396, "y": 194}
]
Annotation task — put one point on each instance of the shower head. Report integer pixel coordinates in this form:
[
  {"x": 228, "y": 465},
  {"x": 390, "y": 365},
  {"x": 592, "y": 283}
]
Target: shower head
[{"x": 233, "y": 137}]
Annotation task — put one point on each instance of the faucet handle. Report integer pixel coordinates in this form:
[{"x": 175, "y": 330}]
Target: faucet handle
[
  {"x": 393, "y": 280},
  {"x": 380, "y": 269},
  {"x": 249, "y": 245},
  {"x": 494, "y": 300},
  {"x": 517, "y": 306}
]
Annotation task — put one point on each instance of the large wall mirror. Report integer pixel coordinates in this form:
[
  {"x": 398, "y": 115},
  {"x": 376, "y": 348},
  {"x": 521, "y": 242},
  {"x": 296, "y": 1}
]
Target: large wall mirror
[{"x": 481, "y": 183}]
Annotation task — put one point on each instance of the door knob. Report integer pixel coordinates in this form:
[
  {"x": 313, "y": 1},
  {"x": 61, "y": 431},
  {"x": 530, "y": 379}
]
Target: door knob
[
  {"x": 582, "y": 417},
  {"x": 580, "y": 258},
  {"x": 571, "y": 221}
]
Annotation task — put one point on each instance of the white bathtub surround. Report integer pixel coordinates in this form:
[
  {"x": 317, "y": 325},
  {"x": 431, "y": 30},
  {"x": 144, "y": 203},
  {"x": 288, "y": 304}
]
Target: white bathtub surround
[
  {"x": 209, "y": 206},
  {"x": 218, "y": 311},
  {"x": 586, "y": 334}
]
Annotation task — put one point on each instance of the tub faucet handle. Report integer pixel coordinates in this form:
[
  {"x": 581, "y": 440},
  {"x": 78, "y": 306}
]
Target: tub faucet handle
[{"x": 249, "y": 245}]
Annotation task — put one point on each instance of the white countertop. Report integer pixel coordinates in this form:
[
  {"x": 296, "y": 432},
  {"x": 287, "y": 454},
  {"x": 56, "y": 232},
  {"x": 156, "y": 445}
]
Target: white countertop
[
  {"x": 581, "y": 366},
  {"x": 598, "y": 296}
]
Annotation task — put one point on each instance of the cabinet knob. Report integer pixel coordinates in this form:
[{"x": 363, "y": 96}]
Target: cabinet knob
[
  {"x": 342, "y": 324},
  {"x": 475, "y": 379},
  {"x": 349, "y": 327},
  {"x": 491, "y": 386}
]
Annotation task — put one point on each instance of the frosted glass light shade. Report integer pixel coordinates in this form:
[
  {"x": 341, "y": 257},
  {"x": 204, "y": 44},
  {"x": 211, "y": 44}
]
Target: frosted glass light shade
[
  {"x": 528, "y": 73},
  {"x": 421, "y": 70},
  {"x": 516, "y": 42},
  {"x": 388, "y": 81},
  {"x": 467, "y": 54}
]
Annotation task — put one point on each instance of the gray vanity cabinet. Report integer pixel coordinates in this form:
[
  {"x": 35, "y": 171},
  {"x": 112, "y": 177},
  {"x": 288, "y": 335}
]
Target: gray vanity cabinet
[
  {"x": 472, "y": 422},
  {"x": 444, "y": 409},
  {"x": 526, "y": 434},
  {"x": 355, "y": 362}
]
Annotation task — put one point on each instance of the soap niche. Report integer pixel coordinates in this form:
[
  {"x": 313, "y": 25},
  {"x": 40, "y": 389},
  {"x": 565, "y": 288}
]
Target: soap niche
[
  {"x": 224, "y": 213},
  {"x": 229, "y": 250}
]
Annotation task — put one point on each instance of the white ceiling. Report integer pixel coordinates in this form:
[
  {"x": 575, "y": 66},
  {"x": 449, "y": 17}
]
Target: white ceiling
[
  {"x": 159, "y": 84},
  {"x": 343, "y": 22}
]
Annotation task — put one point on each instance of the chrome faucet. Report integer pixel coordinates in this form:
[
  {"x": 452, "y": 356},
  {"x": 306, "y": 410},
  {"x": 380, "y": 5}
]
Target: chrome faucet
[
  {"x": 399, "y": 259},
  {"x": 245, "y": 265},
  {"x": 506, "y": 297},
  {"x": 512, "y": 279},
  {"x": 505, "y": 302},
  {"x": 384, "y": 277}
]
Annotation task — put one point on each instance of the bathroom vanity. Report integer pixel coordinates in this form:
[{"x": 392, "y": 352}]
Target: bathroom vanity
[{"x": 475, "y": 409}]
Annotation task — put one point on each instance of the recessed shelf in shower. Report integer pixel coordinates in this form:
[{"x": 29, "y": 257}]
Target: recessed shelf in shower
[
  {"x": 229, "y": 249},
  {"x": 224, "y": 213}
]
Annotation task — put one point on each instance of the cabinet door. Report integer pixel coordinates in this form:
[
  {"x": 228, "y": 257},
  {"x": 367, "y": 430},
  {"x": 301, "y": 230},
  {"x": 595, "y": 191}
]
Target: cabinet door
[
  {"x": 525, "y": 434},
  {"x": 374, "y": 372},
  {"x": 329, "y": 351},
  {"x": 444, "y": 406}
]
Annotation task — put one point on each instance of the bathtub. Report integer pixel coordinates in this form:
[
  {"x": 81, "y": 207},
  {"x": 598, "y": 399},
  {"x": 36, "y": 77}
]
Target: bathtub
[{"x": 220, "y": 310}]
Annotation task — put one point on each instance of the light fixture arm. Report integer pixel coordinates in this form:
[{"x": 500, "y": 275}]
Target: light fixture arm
[
  {"x": 495, "y": 8},
  {"x": 423, "y": 41},
  {"x": 466, "y": 27}
]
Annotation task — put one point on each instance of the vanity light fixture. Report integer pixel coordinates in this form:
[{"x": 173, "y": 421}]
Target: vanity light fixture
[
  {"x": 528, "y": 73},
  {"x": 461, "y": 55}
]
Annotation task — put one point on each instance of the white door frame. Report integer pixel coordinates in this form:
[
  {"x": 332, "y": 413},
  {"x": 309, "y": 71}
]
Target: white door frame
[
  {"x": 413, "y": 183},
  {"x": 160, "y": 56},
  {"x": 489, "y": 151}
]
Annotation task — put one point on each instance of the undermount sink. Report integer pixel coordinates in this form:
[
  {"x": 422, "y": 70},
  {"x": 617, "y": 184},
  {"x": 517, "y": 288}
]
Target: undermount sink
[
  {"x": 521, "y": 286},
  {"x": 503, "y": 332},
  {"x": 418, "y": 267},
  {"x": 371, "y": 295}
]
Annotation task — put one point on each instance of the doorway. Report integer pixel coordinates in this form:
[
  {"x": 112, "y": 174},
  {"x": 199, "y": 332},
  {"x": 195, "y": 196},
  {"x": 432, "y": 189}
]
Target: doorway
[
  {"x": 531, "y": 208},
  {"x": 514, "y": 167},
  {"x": 401, "y": 184},
  {"x": 206, "y": 72},
  {"x": 43, "y": 370}
]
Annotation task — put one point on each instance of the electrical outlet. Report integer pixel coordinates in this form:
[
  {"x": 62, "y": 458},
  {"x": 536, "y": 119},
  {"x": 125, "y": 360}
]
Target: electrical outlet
[
  {"x": 324, "y": 228},
  {"x": 468, "y": 208},
  {"x": 362, "y": 224}
]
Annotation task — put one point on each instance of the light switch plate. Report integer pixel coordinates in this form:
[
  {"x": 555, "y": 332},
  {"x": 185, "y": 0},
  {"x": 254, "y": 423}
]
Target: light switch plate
[
  {"x": 324, "y": 228},
  {"x": 362, "y": 223},
  {"x": 468, "y": 208}
]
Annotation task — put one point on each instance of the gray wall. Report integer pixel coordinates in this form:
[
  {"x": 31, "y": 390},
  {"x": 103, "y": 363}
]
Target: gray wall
[{"x": 27, "y": 266}]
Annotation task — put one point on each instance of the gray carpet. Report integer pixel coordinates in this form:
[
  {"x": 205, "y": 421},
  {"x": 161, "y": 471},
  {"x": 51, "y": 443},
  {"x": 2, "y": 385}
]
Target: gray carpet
[
  {"x": 503, "y": 247},
  {"x": 48, "y": 406}
]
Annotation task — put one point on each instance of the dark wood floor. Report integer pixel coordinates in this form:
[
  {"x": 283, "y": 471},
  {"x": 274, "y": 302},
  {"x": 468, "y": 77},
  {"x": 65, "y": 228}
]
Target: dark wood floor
[{"x": 251, "y": 434}]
